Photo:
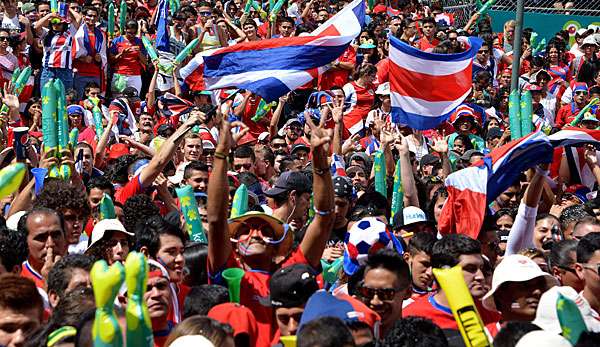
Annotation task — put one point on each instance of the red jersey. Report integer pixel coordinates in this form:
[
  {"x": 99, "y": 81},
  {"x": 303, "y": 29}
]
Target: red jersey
[
  {"x": 361, "y": 100},
  {"x": 383, "y": 71},
  {"x": 424, "y": 44},
  {"x": 27, "y": 271},
  {"x": 129, "y": 64},
  {"x": 427, "y": 307},
  {"x": 255, "y": 286},
  {"x": 94, "y": 68},
  {"x": 567, "y": 114},
  {"x": 132, "y": 188},
  {"x": 338, "y": 77}
]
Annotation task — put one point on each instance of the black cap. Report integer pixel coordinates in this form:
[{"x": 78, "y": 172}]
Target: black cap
[
  {"x": 468, "y": 154},
  {"x": 290, "y": 180},
  {"x": 130, "y": 92},
  {"x": 494, "y": 133},
  {"x": 429, "y": 159},
  {"x": 342, "y": 186},
  {"x": 291, "y": 286},
  {"x": 299, "y": 146}
]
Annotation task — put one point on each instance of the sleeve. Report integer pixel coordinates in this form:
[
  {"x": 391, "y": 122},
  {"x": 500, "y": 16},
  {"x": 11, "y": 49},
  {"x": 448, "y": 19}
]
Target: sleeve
[
  {"x": 560, "y": 121},
  {"x": 521, "y": 233},
  {"x": 113, "y": 47},
  {"x": 132, "y": 188}
]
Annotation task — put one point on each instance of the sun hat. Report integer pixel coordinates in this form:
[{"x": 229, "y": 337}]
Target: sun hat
[{"x": 514, "y": 268}]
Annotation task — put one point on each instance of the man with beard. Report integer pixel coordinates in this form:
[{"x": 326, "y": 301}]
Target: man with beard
[
  {"x": 449, "y": 251},
  {"x": 293, "y": 131},
  {"x": 568, "y": 112}
]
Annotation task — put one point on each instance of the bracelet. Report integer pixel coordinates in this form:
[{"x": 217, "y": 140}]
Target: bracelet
[
  {"x": 323, "y": 213},
  {"x": 220, "y": 155}
]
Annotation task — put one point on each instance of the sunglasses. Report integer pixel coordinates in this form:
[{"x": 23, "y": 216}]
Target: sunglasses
[
  {"x": 353, "y": 174},
  {"x": 278, "y": 145},
  {"x": 240, "y": 166},
  {"x": 3, "y": 38},
  {"x": 581, "y": 92},
  {"x": 205, "y": 13},
  {"x": 384, "y": 294},
  {"x": 257, "y": 230}
]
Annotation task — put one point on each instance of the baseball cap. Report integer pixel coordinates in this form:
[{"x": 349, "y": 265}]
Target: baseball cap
[
  {"x": 494, "y": 133},
  {"x": 534, "y": 76},
  {"x": 207, "y": 144},
  {"x": 27, "y": 7},
  {"x": 361, "y": 156},
  {"x": 342, "y": 187},
  {"x": 240, "y": 318},
  {"x": 471, "y": 152},
  {"x": 589, "y": 40},
  {"x": 582, "y": 31},
  {"x": 342, "y": 306},
  {"x": 291, "y": 286},
  {"x": 247, "y": 139},
  {"x": 366, "y": 236},
  {"x": 429, "y": 159},
  {"x": 117, "y": 150},
  {"x": 410, "y": 215},
  {"x": 75, "y": 109},
  {"x": 291, "y": 121},
  {"x": 288, "y": 181},
  {"x": 130, "y": 92},
  {"x": 515, "y": 268},
  {"x": 546, "y": 316},
  {"x": 102, "y": 227},
  {"x": 299, "y": 146}
]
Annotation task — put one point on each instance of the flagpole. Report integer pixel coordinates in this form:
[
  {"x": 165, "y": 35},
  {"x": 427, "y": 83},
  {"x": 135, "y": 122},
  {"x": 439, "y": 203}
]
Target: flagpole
[{"x": 514, "y": 80}]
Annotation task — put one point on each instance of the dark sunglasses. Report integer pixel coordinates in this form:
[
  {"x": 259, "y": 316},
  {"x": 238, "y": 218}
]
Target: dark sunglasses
[
  {"x": 3, "y": 38},
  {"x": 384, "y": 294},
  {"x": 245, "y": 166}
]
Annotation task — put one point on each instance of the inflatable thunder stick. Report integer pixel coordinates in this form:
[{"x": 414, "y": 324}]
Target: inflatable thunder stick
[
  {"x": 262, "y": 109},
  {"x": 233, "y": 277},
  {"x": 486, "y": 7},
  {"x": 73, "y": 139},
  {"x": 275, "y": 10},
  {"x": 62, "y": 125},
  {"x": 21, "y": 80},
  {"x": 149, "y": 48},
  {"x": 239, "y": 205},
  {"x": 380, "y": 174},
  {"x": 11, "y": 178},
  {"x": 189, "y": 208},
  {"x": 15, "y": 75},
  {"x": 122, "y": 17},
  {"x": 49, "y": 131},
  {"x": 569, "y": 317},
  {"x": 526, "y": 113},
  {"x": 107, "y": 208},
  {"x": 106, "y": 282},
  {"x": 261, "y": 12},
  {"x": 248, "y": 6},
  {"x": 186, "y": 51},
  {"x": 513, "y": 115},
  {"x": 463, "y": 308},
  {"x": 139, "y": 327},
  {"x": 397, "y": 192},
  {"x": 111, "y": 21},
  {"x": 583, "y": 111}
]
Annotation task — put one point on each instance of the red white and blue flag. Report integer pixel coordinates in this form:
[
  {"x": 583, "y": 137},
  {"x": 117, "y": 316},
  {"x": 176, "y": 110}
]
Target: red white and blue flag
[
  {"x": 272, "y": 68},
  {"x": 426, "y": 88},
  {"x": 338, "y": 167},
  {"x": 471, "y": 189}
]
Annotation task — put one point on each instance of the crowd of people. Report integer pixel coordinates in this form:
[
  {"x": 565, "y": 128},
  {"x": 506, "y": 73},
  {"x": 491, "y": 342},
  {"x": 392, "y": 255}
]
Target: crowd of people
[{"x": 325, "y": 257}]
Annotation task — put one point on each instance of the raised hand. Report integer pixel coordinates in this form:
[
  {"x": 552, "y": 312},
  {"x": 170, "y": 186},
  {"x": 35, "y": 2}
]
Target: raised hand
[
  {"x": 439, "y": 144},
  {"x": 319, "y": 136}
]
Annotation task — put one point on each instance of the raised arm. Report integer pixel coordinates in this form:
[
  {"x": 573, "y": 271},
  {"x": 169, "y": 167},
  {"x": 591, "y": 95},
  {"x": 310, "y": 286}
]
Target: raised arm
[
  {"x": 521, "y": 233},
  {"x": 167, "y": 150},
  {"x": 337, "y": 113},
  {"x": 103, "y": 141},
  {"x": 441, "y": 147},
  {"x": 276, "y": 116},
  {"x": 317, "y": 233},
  {"x": 219, "y": 245},
  {"x": 408, "y": 178}
]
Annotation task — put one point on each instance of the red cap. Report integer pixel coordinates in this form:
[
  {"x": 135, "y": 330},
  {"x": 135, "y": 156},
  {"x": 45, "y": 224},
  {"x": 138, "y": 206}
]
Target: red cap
[
  {"x": 533, "y": 87},
  {"x": 246, "y": 140},
  {"x": 240, "y": 318},
  {"x": 117, "y": 150}
]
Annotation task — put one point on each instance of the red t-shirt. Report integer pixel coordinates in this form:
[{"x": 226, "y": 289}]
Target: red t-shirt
[
  {"x": 361, "y": 100},
  {"x": 383, "y": 71},
  {"x": 424, "y": 44},
  {"x": 132, "y": 188},
  {"x": 255, "y": 128},
  {"x": 89, "y": 69},
  {"x": 427, "y": 307},
  {"x": 255, "y": 286},
  {"x": 338, "y": 77},
  {"x": 28, "y": 272},
  {"x": 129, "y": 64}
]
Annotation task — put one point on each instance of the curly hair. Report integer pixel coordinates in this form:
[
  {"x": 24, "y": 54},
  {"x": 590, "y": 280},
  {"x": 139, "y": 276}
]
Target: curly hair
[
  {"x": 138, "y": 208},
  {"x": 13, "y": 248},
  {"x": 59, "y": 195},
  {"x": 117, "y": 172}
]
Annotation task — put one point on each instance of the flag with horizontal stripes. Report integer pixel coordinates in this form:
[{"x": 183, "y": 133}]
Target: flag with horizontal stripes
[
  {"x": 272, "y": 68},
  {"x": 426, "y": 88}
]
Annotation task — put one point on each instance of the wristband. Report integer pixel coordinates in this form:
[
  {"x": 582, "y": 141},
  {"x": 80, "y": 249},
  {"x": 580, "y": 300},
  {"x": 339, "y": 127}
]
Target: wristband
[
  {"x": 323, "y": 213},
  {"x": 220, "y": 155}
]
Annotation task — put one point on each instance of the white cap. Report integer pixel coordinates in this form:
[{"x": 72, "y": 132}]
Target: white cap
[
  {"x": 515, "y": 268},
  {"x": 191, "y": 341},
  {"x": 541, "y": 338},
  {"x": 383, "y": 89},
  {"x": 263, "y": 136},
  {"x": 582, "y": 31},
  {"x": 207, "y": 144},
  {"x": 13, "y": 221},
  {"x": 103, "y": 226},
  {"x": 589, "y": 40},
  {"x": 413, "y": 214},
  {"x": 546, "y": 316}
]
